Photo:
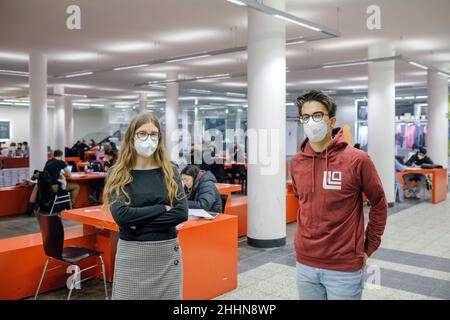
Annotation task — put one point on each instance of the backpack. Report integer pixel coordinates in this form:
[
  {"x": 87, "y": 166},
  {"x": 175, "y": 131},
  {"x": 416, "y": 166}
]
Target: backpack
[{"x": 96, "y": 166}]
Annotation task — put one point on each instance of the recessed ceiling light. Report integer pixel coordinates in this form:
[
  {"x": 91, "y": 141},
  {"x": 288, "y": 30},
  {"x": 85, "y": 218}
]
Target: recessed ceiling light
[{"x": 345, "y": 64}]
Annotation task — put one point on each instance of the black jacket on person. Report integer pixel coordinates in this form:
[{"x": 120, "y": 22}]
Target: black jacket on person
[
  {"x": 204, "y": 193},
  {"x": 415, "y": 160}
]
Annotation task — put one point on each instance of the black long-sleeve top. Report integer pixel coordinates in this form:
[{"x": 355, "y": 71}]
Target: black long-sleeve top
[
  {"x": 146, "y": 218},
  {"x": 415, "y": 160}
]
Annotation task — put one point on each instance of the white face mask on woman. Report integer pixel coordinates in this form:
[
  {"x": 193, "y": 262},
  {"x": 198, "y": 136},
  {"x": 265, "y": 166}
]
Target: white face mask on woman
[
  {"x": 316, "y": 131},
  {"x": 145, "y": 148}
]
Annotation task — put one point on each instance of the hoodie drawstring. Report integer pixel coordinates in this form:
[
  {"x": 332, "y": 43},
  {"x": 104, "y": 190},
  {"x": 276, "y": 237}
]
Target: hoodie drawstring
[{"x": 314, "y": 174}]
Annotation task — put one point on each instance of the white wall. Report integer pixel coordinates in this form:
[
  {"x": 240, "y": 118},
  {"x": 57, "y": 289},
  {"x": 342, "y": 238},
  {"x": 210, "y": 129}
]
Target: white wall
[
  {"x": 20, "y": 128},
  {"x": 85, "y": 122}
]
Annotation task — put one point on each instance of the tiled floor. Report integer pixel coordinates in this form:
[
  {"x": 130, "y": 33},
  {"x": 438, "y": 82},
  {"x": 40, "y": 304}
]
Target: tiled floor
[{"x": 413, "y": 261}]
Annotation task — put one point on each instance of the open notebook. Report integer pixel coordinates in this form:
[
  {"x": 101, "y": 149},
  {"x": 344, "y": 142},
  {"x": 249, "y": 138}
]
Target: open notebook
[{"x": 200, "y": 214}]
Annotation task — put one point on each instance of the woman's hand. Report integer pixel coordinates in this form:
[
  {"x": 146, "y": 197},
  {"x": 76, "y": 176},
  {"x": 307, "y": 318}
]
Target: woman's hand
[{"x": 168, "y": 208}]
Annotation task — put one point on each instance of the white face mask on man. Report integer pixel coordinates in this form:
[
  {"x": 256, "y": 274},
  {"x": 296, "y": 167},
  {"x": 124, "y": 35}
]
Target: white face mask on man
[
  {"x": 145, "y": 148},
  {"x": 316, "y": 131}
]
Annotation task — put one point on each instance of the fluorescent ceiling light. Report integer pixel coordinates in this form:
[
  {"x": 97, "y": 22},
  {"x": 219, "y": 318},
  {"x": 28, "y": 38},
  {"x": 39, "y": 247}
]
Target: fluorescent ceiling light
[
  {"x": 234, "y": 94},
  {"x": 345, "y": 64},
  {"x": 97, "y": 105},
  {"x": 290, "y": 104},
  {"x": 14, "y": 72},
  {"x": 188, "y": 58},
  {"x": 418, "y": 65},
  {"x": 76, "y": 95},
  {"x": 295, "y": 42},
  {"x": 237, "y": 2},
  {"x": 122, "y": 107},
  {"x": 199, "y": 91},
  {"x": 80, "y": 104},
  {"x": 297, "y": 22},
  {"x": 409, "y": 98},
  {"x": 421, "y": 97},
  {"x": 130, "y": 67},
  {"x": 5, "y": 103},
  {"x": 78, "y": 74},
  {"x": 21, "y": 104},
  {"x": 443, "y": 74},
  {"x": 82, "y": 108},
  {"x": 217, "y": 76},
  {"x": 398, "y": 98}
]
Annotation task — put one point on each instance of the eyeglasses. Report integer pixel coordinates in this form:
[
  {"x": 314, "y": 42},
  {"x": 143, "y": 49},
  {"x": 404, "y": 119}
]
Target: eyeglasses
[
  {"x": 143, "y": 135},
  {"x": 316, "y": 116}
]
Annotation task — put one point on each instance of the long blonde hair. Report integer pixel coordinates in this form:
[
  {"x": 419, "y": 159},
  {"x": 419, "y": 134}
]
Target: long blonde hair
[{"x": 120, "y": 175}]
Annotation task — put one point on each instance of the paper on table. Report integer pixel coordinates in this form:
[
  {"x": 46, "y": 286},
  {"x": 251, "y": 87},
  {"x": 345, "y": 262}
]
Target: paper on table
[{"x": 200, "y": 213}]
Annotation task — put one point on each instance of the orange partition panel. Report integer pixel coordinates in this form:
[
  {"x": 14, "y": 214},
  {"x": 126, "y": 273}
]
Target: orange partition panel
[
  {"x": 14, "y": 200},
  {"x": 12, "y": 163},
  {"x": 238, "y": 207},
  {"x": 22, "y": 260}
]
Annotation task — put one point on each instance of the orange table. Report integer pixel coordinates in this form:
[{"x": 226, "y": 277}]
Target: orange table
[
  {"x": 439, "y": 180},
  {"x": 228, "y": 189},
  {"x": 73, "y": 159},
  {"x": 228, "y": 165},
  {"x": 85, "y": 182},
  {"x": 11, "y": 163},
  {"x": 291, "y": 203},
  {"x": 90, "y": 155},
  {"x": 210, "y": 251}
]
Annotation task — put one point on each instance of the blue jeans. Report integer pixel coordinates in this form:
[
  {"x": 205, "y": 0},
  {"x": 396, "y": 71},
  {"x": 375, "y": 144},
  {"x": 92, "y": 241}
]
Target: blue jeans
[{"x": 322, "y": 284}]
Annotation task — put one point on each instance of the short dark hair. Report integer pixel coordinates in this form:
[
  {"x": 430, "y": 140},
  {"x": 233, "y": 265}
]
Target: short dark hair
[
  {"x": 191, "y": 170},
  {"x": 109, "y": 152},
  {"x": 319, "y": 96},
  {"x": 422, "y": 150},
  {"x": 57, "y": 153},
  {"x": 13, "y": 144}
]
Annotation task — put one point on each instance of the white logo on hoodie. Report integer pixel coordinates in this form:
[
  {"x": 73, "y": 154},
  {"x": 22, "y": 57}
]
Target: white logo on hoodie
[{"x": 332, "y": 180}]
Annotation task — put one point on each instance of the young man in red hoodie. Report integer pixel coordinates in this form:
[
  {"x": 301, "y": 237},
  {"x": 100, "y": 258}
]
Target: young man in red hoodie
[{"x": 329, "y": 177}]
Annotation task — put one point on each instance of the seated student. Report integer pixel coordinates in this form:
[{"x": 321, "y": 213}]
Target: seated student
[
  {"x": 399, "y": 167},
  {"x": 25, "y": 149},
  {"x": 92, "y": 143},
  {"x": 58, "y": 177},
  {"x": 58, "y": 180},
  {"x": 12, "y": 152},
  {"x": 417, "y": 160},
  {"x": 200, "y": 189}
]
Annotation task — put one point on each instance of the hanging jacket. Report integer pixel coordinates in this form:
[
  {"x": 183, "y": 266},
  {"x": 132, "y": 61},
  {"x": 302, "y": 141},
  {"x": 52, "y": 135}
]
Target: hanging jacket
[
  {"x": 204, "y": 193},
  {"x": 330, "y": 221}
]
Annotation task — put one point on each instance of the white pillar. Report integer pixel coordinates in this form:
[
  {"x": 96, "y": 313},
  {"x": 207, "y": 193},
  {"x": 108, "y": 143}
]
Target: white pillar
[
  {"x": 68, "y": 122},
  {"x": 38, "y": 111},
  {"x": 185, "y": 129},
  {"x": 381, "y": 117},
  {"x": 142, "y": 103},
  {"x": 172, "y": 115},
  {"x": 438, "y": 102},
  {"x": 60, "y": 140},
  {"x": 266, "y": 112}
]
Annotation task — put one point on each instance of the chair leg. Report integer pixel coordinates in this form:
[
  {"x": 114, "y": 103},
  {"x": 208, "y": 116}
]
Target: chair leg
[
  {"x": 42, "y": 278},
  {"x": 53, "y": 205},
  {"x": 72, "y": 285},
  {"x": 104, "y": 276}
]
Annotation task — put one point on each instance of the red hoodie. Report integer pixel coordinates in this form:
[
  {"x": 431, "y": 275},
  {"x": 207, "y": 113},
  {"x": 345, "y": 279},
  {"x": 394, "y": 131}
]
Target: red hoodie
[{"x": 330, "y": 221}]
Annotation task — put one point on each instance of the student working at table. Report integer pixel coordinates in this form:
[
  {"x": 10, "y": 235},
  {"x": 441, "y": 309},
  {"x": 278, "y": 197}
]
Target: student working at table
[
  {"x": 200, "y": 189},
  {"x": 418, "y": 159},
  {"x": 57, "y": 171}
]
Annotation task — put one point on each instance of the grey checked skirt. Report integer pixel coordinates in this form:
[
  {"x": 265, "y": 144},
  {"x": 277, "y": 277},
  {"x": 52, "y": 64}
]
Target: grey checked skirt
[{"x": 148, "y": 270}]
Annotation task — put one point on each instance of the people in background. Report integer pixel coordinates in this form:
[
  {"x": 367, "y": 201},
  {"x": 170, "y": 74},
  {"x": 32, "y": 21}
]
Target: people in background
[
  {"x": 58, "y": 173},
  {"x": 419, "y": 158},
  {"x": 109, "y": 160},
  {"x": 92, "y": 143},
  {"x": 399, "y": 167},
  {"x": 112, "y": 144},
  {"x": 25, "y": 149},
  {"x": 12, "y": 152},
  {"x": 238, "y": 153},
  {"x": 147, "y": 201},
  {"x": 19, "y": 151},
  {"x": 200, "y": 189},
  {"x": 328, "y": 179}
]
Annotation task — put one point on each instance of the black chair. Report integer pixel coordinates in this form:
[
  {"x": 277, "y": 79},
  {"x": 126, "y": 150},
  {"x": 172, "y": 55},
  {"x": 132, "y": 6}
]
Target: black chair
[
  {"x": 224, "y": 198},
  {"x": 239, "y": 172},
  {"x": 52, "y": 232},
  {"x": 218, "y": 170},
  {"x": 47, "y": 199}
]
